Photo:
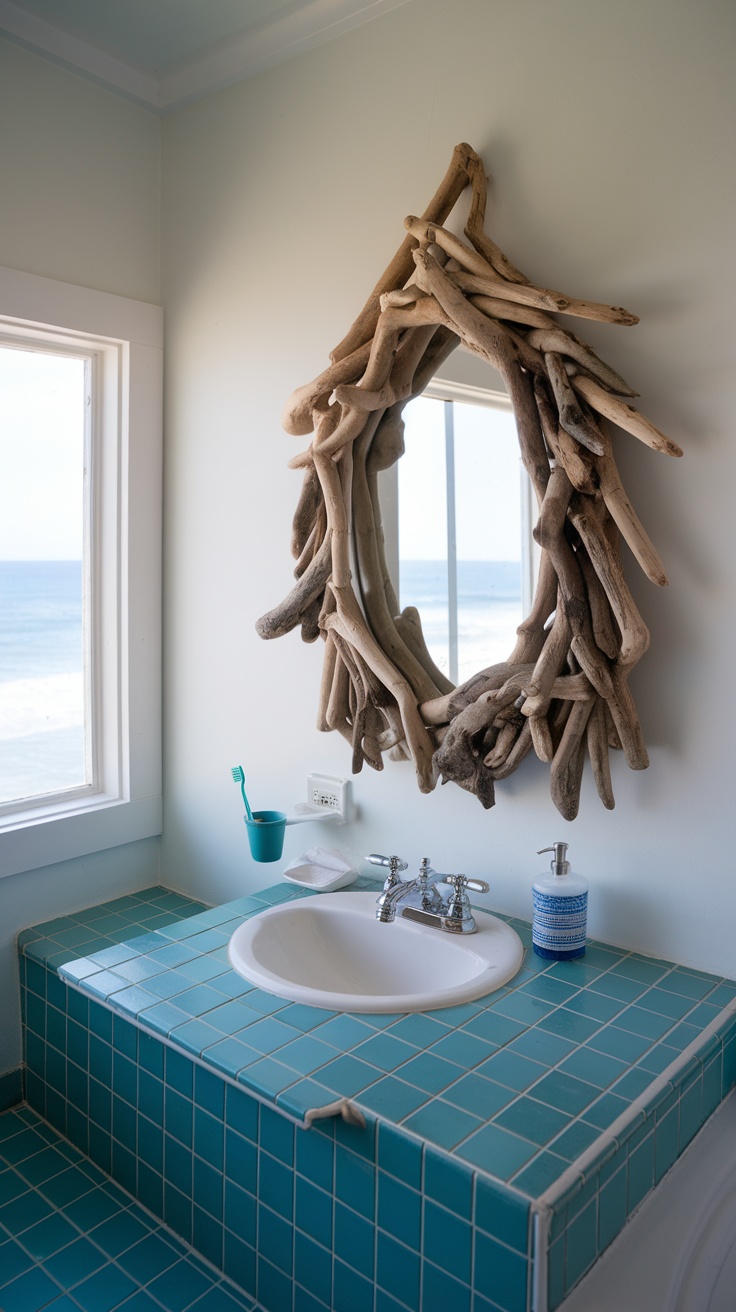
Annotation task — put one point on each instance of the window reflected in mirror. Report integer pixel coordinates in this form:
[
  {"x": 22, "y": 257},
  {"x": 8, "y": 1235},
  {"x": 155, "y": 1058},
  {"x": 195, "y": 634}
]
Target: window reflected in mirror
[{"x": 465, "y": 549}]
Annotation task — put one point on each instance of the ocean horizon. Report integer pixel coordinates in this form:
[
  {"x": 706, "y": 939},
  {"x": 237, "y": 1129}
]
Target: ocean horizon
[
  {"x": 489, "y": 606},
  {"x": 42, "y": 739}
]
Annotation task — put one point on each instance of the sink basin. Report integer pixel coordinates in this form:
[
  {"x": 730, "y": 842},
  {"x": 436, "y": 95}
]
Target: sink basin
[{"x": 330, "y": 951}]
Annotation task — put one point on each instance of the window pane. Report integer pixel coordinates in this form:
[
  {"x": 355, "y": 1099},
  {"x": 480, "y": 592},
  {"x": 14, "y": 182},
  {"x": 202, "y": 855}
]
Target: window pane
[
  {"x": 487, "y": 552},
  {"x": 42, "y": 630},
  {"x": 489, "y": 548}
]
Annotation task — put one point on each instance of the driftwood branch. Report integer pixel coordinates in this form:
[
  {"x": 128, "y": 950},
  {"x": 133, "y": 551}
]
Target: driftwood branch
[{"x": 563, "y": 692}]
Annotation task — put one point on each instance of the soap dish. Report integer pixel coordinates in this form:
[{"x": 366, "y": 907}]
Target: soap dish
[{"x": 317, "y": 877}]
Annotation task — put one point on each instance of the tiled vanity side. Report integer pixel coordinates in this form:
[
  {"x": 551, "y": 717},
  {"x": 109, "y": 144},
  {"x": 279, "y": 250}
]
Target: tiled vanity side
[
  {"x": 336, "y": 1217},
  {"x": 562, "y": 1051}
]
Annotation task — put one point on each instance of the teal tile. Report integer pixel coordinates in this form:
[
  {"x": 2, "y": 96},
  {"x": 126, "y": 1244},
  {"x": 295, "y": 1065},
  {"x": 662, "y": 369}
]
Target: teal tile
[
  {"x": 276, "y": 1187},
  {"x": 641, "y": 969},
  {"x": 565, "y": 1092},
  {"x": 500, "y": 1274},
  {"x": 497, "y": 1151},
  {"x": 384, "y": 1051},
  {"x": 532, "y": 1120},
  {"x": 595, "y": 1067},
  {"x": 501, "y": 1212},
  {"x": 543, "y": 1170},
  {"x": 344, "y": 1032},
  {"x": 430, "y": 1073},
  {"x": 399, "y": 1210},
  {"x": 104, "y": 1290},
  {"x": 307, "y": 1054},
  {"x": 302, "y": 1096},
  {"x": 354, "y": 1240},
  {"x": 195, "y": 1036},
  {"x": 355, "y": 1182},
  {"x": 605, "y": 1110},
  {"x": 302, "y": 1017},
  {"x": 448, "y": 1181},
  {"x": 178, "y": 1287},
  {"x": 277, "y": 1136},
  {"x": 553, "y": 990},
  {"x": 399, "y": 1155},
  {"x": 313, "y": 1268},
  {"x": 397, "y": 1270},
  {"x": 462, "y": 1048},
  {"x": 440, "y": 1292},
  {"x": 574, "y": 1140},
  {"x": 315, "y": 1157},
  {"x": 664, "y": 1003},
  {"x": 523, "y": 1006},
  {"x": 268, "y": 1035},
  {"x": 13, "y": 1260},
  {"x": 581, "y": 1244},
  {"x": 542, "y": 1046},
  {"x": 75, "y": 1262},
  {"x": 479, "y": 1096},
  {"x": 447, "y": 1238},
  {"x": 509, "y": 1069},
  {"x": 443, "y": 1124},
  {"x": 648, "y": 1024},
  {"x": 666, "y": 1143},
  {"x": 640, "y": 1172},
  {"x": 48, "y": 1236},
  {"x": 420, "y": 1030},
  {"x": 569, "y": 1024},
  {"x": 267, "y": 1077},
  {"x": 352, "y": 1292},
  {"x": 492, "y": 1027},
  {"x": 619, "y": 1043},
  {"x": 347, "y": 1076},
  {"x": 313, "y": 1209},
  {"x": 230, "y": 1056},
  {"x": 612, "y": 1208},
  {"x": 615, "y": 986},
  {"x": 29, "y": 1292},
  {"x": 633, "y": 1084}
]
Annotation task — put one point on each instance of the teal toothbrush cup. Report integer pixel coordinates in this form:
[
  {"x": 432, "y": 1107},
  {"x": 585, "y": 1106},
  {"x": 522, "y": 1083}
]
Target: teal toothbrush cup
[{"x": 266, "y": 834}]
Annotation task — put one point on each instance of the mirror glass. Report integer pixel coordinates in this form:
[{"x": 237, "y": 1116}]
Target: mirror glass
[{"x": 458, "y": 526}]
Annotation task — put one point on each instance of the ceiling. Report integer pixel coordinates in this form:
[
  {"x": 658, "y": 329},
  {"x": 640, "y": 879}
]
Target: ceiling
[{"x": 165, "y": 53}]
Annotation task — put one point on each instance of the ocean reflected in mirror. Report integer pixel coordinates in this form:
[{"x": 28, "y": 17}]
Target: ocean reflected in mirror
[{"x": 465, "y": 550}]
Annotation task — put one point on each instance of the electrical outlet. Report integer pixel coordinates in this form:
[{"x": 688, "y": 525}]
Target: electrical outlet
[{"x": 325, "y": 790}]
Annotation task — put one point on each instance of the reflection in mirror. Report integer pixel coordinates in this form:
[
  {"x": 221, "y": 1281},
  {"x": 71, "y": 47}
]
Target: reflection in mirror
[{"x": 461, "y": 549}]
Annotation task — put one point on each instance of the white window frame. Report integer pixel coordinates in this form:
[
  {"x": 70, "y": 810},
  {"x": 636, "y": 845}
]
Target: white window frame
[{"x": 127, "y": 339}]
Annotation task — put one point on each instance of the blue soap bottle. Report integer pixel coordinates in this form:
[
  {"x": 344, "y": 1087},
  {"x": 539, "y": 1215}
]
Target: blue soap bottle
[{"x": 560, "y": 909}]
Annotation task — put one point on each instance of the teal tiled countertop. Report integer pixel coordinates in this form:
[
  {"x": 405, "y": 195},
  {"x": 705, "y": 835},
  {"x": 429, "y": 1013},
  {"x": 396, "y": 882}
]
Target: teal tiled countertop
[{"x": 548, "y": 1086}]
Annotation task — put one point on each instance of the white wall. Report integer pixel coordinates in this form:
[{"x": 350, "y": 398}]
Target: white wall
[
  {"x": 79, "y": 201},
  {"x": 607, "y": 128}
]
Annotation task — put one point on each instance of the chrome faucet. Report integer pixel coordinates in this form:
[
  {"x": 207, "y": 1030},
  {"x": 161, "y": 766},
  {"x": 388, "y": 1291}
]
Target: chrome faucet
[{"x": 419, "y": 899}]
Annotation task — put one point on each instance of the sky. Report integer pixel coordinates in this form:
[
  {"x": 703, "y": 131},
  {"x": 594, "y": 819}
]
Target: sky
[
  {"x": 487, "y": 483},
  {"x": 42, "y": 407}
]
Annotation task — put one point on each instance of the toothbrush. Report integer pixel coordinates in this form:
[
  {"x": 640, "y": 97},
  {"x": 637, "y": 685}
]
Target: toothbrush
[{"x": 239, "y": 777}]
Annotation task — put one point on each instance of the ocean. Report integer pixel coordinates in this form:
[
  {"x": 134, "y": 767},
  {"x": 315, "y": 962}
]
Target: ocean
[
  {"x": 489, "y": 609},
  {"x": 42, "y": 741}
]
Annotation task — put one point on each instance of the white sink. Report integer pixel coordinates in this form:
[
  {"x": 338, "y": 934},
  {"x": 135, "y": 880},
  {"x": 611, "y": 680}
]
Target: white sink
[{"x": 330, "y": 951}]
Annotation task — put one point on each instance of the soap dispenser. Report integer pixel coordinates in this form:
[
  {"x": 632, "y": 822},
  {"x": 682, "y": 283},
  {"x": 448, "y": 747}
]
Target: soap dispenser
[{"x": 560, "y": 909}]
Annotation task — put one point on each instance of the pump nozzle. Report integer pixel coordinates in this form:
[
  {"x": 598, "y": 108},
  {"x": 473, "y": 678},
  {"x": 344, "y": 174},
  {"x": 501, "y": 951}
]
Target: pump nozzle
[{"x": 560, "y": 866}]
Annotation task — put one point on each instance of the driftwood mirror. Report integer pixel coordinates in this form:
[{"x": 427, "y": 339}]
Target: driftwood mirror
[{"x": 563, "y": 691}]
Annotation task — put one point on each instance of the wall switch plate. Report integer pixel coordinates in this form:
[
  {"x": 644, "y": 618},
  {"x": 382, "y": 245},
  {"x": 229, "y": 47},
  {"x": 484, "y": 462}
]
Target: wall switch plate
[{"x": 328, "y": 792}]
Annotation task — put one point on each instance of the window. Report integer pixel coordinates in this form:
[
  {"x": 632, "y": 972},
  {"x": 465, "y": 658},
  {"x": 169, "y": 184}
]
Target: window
[
  {"x": 80, "y": 526},
  {"x": 465, "y": 551}
]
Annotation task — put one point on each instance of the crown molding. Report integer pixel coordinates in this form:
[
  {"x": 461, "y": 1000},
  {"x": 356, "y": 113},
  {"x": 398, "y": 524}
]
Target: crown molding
[
  {"x": 289, "y": 34},
  {"x": 43, "y": 38}
]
